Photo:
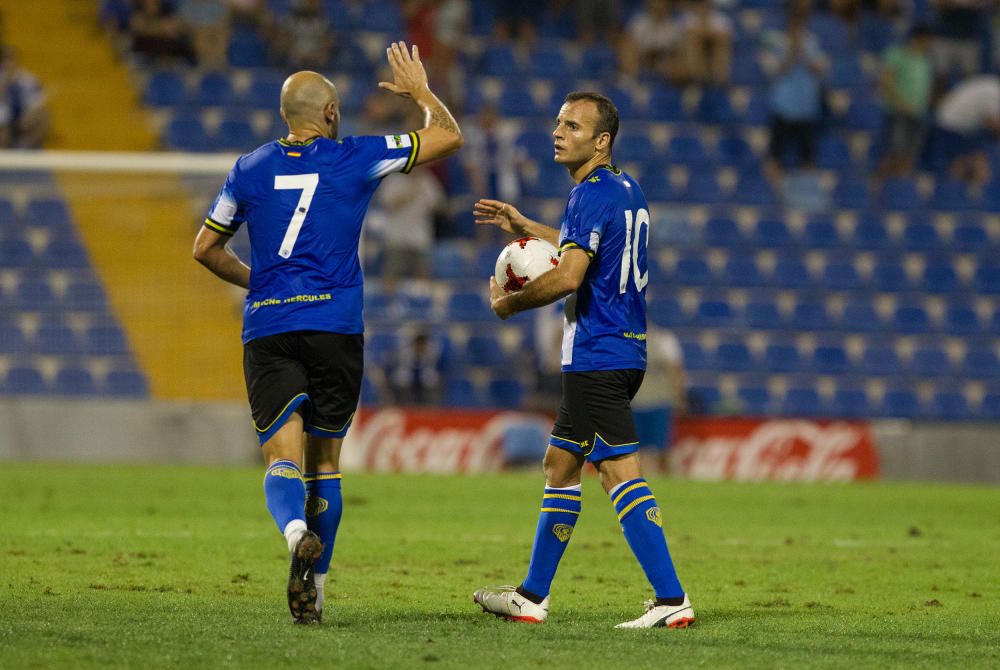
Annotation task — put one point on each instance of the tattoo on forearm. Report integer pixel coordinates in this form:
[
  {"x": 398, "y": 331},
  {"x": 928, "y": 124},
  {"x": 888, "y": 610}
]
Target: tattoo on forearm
[{"x": 442, "y": 119}]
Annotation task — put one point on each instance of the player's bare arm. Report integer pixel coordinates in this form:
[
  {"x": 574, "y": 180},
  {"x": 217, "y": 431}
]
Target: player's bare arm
[
  {"x": 507, "y": 218},
  {"x": 441, "y": 135},
  {"x": 211, "y": 251},
  {"x": 555, "y": 284}
]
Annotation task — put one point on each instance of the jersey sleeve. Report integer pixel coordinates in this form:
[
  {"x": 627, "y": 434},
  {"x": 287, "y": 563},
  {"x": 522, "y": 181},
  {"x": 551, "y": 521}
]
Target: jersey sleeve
[
  {"x": 587, "y": 217},
  {"x": 382, "y": 155},
  {"x": 225, "y": 216}
]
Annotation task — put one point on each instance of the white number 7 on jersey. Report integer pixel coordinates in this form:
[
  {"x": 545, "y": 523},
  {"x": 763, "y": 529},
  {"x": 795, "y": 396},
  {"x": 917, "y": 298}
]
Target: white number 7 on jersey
[{"x": 306, "y": 182}]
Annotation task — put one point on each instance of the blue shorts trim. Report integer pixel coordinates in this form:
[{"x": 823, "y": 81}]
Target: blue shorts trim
[
  {"x": 594, "y": 450},
  {"x": 267, "y": 433}
]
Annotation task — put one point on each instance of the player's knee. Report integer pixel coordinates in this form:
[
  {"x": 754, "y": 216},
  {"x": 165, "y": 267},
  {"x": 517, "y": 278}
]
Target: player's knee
[{"x": 559, "y": 470}]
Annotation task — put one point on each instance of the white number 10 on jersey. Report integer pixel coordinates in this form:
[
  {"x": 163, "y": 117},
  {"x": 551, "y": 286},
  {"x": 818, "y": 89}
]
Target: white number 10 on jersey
[
  {"x": 307, "y": 183},
  {"x": 630, "y": 254}
]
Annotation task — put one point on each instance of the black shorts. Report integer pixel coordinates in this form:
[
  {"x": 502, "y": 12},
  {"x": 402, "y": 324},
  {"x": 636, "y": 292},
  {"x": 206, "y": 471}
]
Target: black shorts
[
  {"x": 595, "y": 414},
  {"x": 322, "y": 370}
]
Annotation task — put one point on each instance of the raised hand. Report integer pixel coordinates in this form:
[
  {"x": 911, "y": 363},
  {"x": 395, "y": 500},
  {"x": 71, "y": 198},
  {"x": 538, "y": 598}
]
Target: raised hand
[
  {"x": 500, "y": 214},
  {"x": 408, "y": 74}
]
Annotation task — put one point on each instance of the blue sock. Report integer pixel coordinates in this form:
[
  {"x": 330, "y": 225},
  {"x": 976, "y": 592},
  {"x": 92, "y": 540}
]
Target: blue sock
[
  {"x": 285, "y": 493},
  {"x": 324, "y": 506},
  {"x": 560, "y": 510},
  {"x": 640, "y": 519}
]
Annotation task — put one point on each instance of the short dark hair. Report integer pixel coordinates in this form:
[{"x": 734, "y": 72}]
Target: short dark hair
[{"x": 607, "y": 113}]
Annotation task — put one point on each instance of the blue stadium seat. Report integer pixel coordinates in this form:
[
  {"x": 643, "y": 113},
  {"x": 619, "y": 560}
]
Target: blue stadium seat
[
  {"x": 850, "y": 403},
  {"x": 485, "y": 350},
  {"x": 911, "y": 319},
  {"x": 449, "y": 261},
  {"x": 104, "y": 340},
  {"x": 622, "y": 97},
  {"x": 930, "y": 362},
  {"x": 980, "y": 363},
  {"x": 692, "y": 271},
  {"x": 702, "y": 187},
  {"x": 34, "y": 293},
  {"x": 841, "y": 276},
  {"x": 921, "y": 236},
  {"x": 462, "y": 392},
  {"x": 657, "y": 187},
  {"x": 940, "y": 277},
  {"x": 370, "y": 395},
  {"x": 85, "y": 295},
  {"x": 688, "y": 150},
  {"x": 802, "y": 401},
  {"x": 755, "y": 400},
  {"x": 63, "y": 254},
  {"x": 469, "y": 306},
  {"x": 598, "y": 61},
  {"x": 880, "y": 361},
  {"x": 791, "y": 272},
  {"x": 782, "y": 358},
  {"x": 763, "y": 315},
  {"x": 990, "y": 407},
  {"x": 900, "y": 403},
  {"x": 548, "y": 62},
  {"x": 51, "y": 213},
  {"x": 55, "y": 339},
  {"x": 987, "y": 278},
  {"x": 74, "y": 381},
  {"x": 810, "y": 316},
  {"x": 517, "y": 101},
  {"x": 165, "y": 88},
  {"x": 715, "y": 314},
  {"x": 380, "y": 347},
  {"x": 948, "y": 405},
  {"x": 734, "y": 151},
  {"x": 772, "y": 233},
  {"x": 507, "y": 393},
  {"x": 538, "y": 144},
  {"x": 215, "y": 89},
  {"x": 746, "y": 71},
  {"x": 754, "y": 189},
  {"x": 970, "y": 236},
  {"x": 742, "y": 273},
  {"x": 734, "y": 357},
  {"x": 831, "y": 360},
  {"x": 666, "y": 312},
  {"x": 961, "y": 319},
  {"x": 665, "y": 104},
  {"x": 186, "y": 133},
  {"x": 21, "y": 380},
  {"x": 758, "y": 109},
  {"x": 951, "y": 195},
  {"x": 714, "y": 107},
  {"x": 380, "y": 17},
  {"x": 833, "y": 153},
  {"x": 851, "y": 193},
  {"x": 901, "y": 193},
  {"x": 16, "y": 253},
  {"x": 246, "y": 49},
  {"x": 13, "y": 340},
  {"x": 888, "y": 275},
  {"x": 820, "y": 233},
  {"x": 723, "y": 232},
  {"x": 265, "y": 89},
  {"x": 694, "y": 356},
  {"x": 863, "y": 115},
  {"x": 633, "y": 145},
  {"x": 860, "y": 316},
  {"x": 703, "y": 398},
  {"x": 128, "y": 383}
]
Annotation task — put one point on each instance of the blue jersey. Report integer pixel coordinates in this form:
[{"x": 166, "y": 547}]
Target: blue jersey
[
  {"x": 303, "y": 204},
  {"x": 605, "y": 326}
]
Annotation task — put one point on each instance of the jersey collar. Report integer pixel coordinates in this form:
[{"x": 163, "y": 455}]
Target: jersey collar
[
  {"x": 605, "y": 166},
  {"x": 304, "y": 143}
]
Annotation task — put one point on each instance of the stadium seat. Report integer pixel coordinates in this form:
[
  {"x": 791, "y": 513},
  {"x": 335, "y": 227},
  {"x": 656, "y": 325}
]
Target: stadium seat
[
  {"x": 910, "y": 319},
  {"x": 734, "y": 151},
  {"x": 951, "y": 195},
  {"x": 888, "y": 275},
  {"x": 831, "y": 360},
  {"x": 948, "y": 405},
  {"x": 754, "y": 189},
  {"x": 742, "y": 273},
  {"x": 860, "y": 316},
  {"x": 755, "y": 400},
  {"x": 74, "y": 381},
  {"x": 378, "y": 17},
  {"x": 746, "y": 71},
  {"x": 235, "y": 135},
  {"x": 833, "y": 153},
  {"x": 990, "y": 407},
  {"x": 758, "y": 110},
  {"x": 900, "y": 193},
  {"x": 702, "y": 187},
  {"x": 85, "y": 295},
  {"x": 548, "y": 62},
  {"x": 694, "y": 356},
  {"x": 782, "y": 358},
  {"x": 186, "y": 133},
  {"x": 51, "y": 213},
  {"x": 598, "y": 61},
  {"x": 987, "y": 278},
  {"x": 634, "y": 146},
  {"x": 921, "y": 236},
  {"x": 763, "y": 315},
  {"x": 790, "y": 272},
  {"x": 850, "y": 403},
  {"x": 900, "y": 403},
  {"x": 880, "y": 361},
  {"x": 622, "y": 97},
  {"x": 714, "y": 107},
  {"x": 165, "y": 88},
  {"x": 820, "y": 233},
  {"x": 16, "y": 253},
  {"x": 656, "y": 186},
  {"x": 808, "y": 316},
  {"x": 723, "y": 232},
  {"x": 24, "y": 381},
  {"x": 930, "y": 362},
  {"x": 127, "y": 383},
  {"x": 851, "y": 193},
  {"x": 803, "y": 402},
  {"x": 462, "y": 392},
  {"x": 449, "y": 261},
  {"x": 688, "y": 150},
  {"x": 506, "y": 393},
  {"x": 104, "y": 340},
  {"x": 961, "y": 319},
  {"x": 370, "y": 395},
  {"x": 734, "y": 357},
  {"x": 863, "y": 115},
  {"x": 714, "y": 314},
  {"x": 666, "y": 312},
  {"x": 772, "y": 233},
  {"x": 246, "y": 49},
  {"x": 940, "y": 277},
  {"x": 692, "y": 271},
  {"x": 380, "y": 347},
  {"x": 34, "y": 292},
  {"x": 13, "y": 340},
  {"x": 469, "y": 306},
  {"x": 214, "y": 89},
  {"x": 665, "y": 104},
  {"x": 485, "y": 350},
  {"x": 265, "y": 89},
  {"x": 970, "y": 236},
  {"x": 980, "y": 363},
  {"x": 64, "y": 254},
  {"x": 56, "y": 340},
  {"x": 841, "y": 276}
]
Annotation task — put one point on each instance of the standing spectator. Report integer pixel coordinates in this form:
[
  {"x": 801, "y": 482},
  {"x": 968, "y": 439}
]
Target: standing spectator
[
  {"x": 24, "y": 109},
  {"x": 654, "y": 42},
  {"x": 796, "y": 65},
  {"x": 159, "y": 32},
  {"x": 492, "y": 160},
  {"x": 958, "y": 44},
  {"x": 708, "y": 43},
  {"x": 407, "y": 206},
  {"x": 968, "y": 120},
  {"x": 906, "y": 82},
  {"x": 661, "y": 398},
  {"x": 597, "y": 20},
  {"x": 304, "y": 38},
  {"x": 418, "y": 369},
  {"x": 209, "y": 24}
]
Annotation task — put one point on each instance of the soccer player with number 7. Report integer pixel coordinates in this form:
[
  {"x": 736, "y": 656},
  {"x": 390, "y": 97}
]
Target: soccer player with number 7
[
  {"x": 602, "y": 273},
  {"x": 303, "y": 199}
]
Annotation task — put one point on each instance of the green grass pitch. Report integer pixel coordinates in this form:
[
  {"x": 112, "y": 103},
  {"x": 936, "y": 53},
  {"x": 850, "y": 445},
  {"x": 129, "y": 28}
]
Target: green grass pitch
[{"x": 171, "y": 567}]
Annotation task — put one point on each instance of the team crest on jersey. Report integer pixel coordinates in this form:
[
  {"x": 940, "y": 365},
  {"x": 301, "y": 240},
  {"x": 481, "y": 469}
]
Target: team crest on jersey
[
  {"x": 562, "y": 531},
  {"x": 287, "y": 473},
  {"x": 594, "y": 179},
  {"x": 316, "y": 505},
  {"x": 653, "y": 514},
  {"x": 397, "y": 141}
]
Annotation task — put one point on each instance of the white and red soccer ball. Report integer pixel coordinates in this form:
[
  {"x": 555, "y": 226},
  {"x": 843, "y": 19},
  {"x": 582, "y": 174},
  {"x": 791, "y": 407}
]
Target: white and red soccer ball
[{"x": 523, "y": 260}]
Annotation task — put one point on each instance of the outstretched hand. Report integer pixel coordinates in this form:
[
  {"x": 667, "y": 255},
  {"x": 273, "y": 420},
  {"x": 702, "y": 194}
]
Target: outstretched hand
[
  {"x": 408, "y": 74},
  {"x": 500, "y": 214}
]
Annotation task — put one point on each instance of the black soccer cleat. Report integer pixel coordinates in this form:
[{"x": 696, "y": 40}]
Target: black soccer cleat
[{"x": 301, "y": 582}]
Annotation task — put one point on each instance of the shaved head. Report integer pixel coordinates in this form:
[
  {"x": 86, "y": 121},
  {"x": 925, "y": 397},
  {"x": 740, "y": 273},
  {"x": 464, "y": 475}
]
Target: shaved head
[{"x": 309, "y": 99}]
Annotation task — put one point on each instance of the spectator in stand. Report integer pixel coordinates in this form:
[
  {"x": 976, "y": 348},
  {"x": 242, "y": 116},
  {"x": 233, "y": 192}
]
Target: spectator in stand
[
  {"x": 906, "y": 82},
  {"x": 304, "y": 38},
  {"x": 517, "y": 19},
  {"x": 492, "y": 161},
  {"x": 24, "y": 109},
  {"x": 957, "y": 45},
  {"x": 159, "y": 33},
  {"x": 708, "y": 43},
  {"x": 597, "y": 21},
  {"x": 439, "y": 27},
  {"x": 115, "y": 17},
  {"x": 404, "y": 220},
  {"x": 968, "y": 120},
  {"x": 661, "y": 398},
  {"x": 654, "y": 42},
  {"x": 418, "y": 369},
  {"x": 209, "y": 24},
  {"x": 796, "y": 66},
  {"x": 249, "y": 14}
]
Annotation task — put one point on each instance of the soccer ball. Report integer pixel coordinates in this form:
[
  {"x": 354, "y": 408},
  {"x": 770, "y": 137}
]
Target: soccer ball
[{"x": 523, "y": 260}]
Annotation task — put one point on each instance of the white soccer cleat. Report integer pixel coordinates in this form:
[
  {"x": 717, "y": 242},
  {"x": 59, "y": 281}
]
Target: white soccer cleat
[
  {"x": 663, "y": 616},
  {"x": 506, "y": 602}
]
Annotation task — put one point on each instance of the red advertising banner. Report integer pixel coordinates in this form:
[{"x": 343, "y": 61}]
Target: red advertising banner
[{"x": 779, "y": 449}]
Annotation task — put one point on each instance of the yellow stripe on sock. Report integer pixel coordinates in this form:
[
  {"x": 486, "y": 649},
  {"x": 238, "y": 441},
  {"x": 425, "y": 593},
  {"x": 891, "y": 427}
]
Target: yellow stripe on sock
[
  {"x": 621, "y": 494},
  {"x": 322, "y": 477},
  {"x": 561, "y": 495},
  {"x": 628, "y": 508},
  {"x": 557, "y": 509}
]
